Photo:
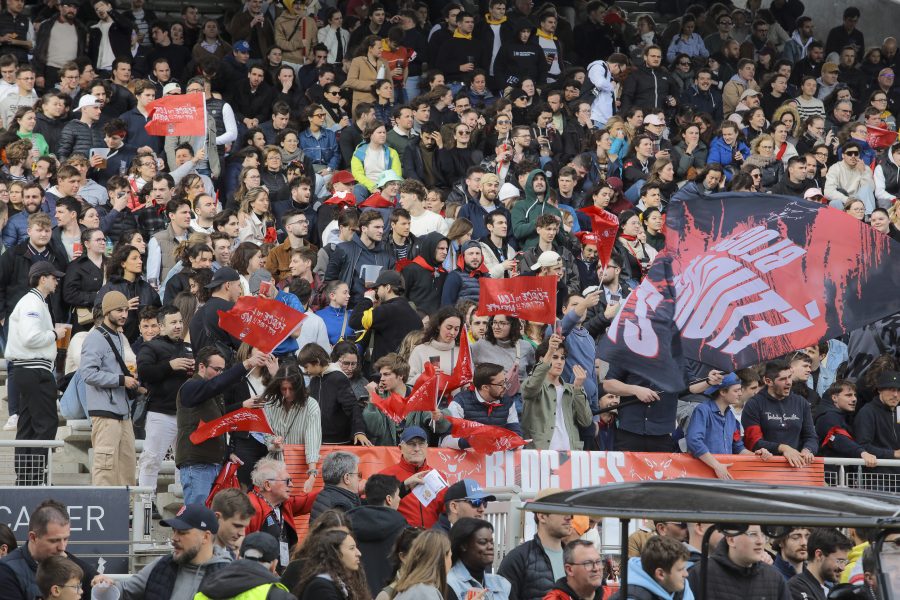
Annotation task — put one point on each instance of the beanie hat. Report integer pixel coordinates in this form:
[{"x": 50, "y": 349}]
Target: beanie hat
[{"x": 112, "y": 301}]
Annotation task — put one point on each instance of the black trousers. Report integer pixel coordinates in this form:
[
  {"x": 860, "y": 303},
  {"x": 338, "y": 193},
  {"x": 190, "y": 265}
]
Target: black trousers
[
  {"x": 38, "y": 420},
  {"x": 633, "y": 442}
]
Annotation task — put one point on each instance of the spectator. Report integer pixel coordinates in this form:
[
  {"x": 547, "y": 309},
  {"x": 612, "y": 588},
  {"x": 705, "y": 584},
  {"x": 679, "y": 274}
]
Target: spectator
[
  {"x": 254, "y": 573},
  {"x": 472, "y": 552},
  {"x": 202, "y": 398},
  {"x": 526, "y": 212},
  {"x": 489, "y": 404},
  {"x": 57, "y": 573},
  {"x": 828, "y": 550},
  {"x": 791, "y": 551},
  {"x": 179, "y": 574},
  {"x": 463, "y": 282},
  {"x": 31, "y": 344},
  {"x": 779, "y": 421},
  {"x": 584, "y": 573},
  {"x": 365, "y": 248},
  {"x": 440, "y": 344},
  {"x": 833, "y": 428},
  {"x": 533, "y": 567},
  {"x": 341, "y": 476},
  {"x": 204, "y": 330},
  {"x": 463, "y": 499},
  {"x": 233, "y": 510},
  {"x": 336, "y": 314},
  {"x": 275, "y": 508},
  {"x": 410, "y": 470},
  {"x": 737, "y": 566},
  {"x": 651, "y": 84},
  {"x": 376, "y": 525},
  {"x": 424, "y": 571},
  {"x": 341, "y": 414},
  {"x": 80, "y": 135},
  {"x": 659, "y": 572},
  {"x": 877, "y": 429},
  {"x": 124, "y": 275},
  {"x": 385, "y": 314},
  {"x": 49, "y": 529}
]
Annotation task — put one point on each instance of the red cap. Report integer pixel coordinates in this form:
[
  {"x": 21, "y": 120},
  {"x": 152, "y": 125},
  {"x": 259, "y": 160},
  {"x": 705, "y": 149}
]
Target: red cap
[
  {"x": 612, "y": 18},
  {"x": 345, "y": 177},
  {"x": 588, "y": 238}
]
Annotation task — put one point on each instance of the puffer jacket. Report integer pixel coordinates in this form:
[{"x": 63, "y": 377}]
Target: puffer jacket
[
  {"x": 78, "y": 138},
  {"x": 463, "y": 283},
  {"x": 333, "y": 496},
  {"x": 728, "y": 581},
  {"x": 527, "y": 568}
]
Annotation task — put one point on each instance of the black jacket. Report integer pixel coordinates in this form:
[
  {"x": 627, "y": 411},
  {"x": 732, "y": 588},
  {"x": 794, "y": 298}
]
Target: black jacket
[
  {"x": 139, "y": 289},
  {"x": 728, "y": 581},
  {"x": 252, "y": 105},
  {"x": 157, "y": 375},
  {"x": 320, "y": 588},
  {"x": 648, "y": 87},
  {"x": 341, "y": 413},
  {"x": 333, "y": 496},
  {"x": 349, "y": 257},
  {"x": 240, "y": 576},
  {"x": 596, "y": 322},
  {"x": 877, "y": 429},
  {"x": 391, "y": 321},
  {"x": 835, "y": 432},
  {"x": 424, "y": 286},
  {"x": 14, "y": 266},
  {"x": 517, "y": 62},
  {"x": 527, "y": 567},
  {"x": 78, "y": 138},
  {"x": 119, "y": 38},
  {"x": 205, "y": 330},
  {"x": 51, "y": 129},
  {"x": 18, "y": 570},
  {"x": 375, "y": 528},
  {"x": 42, "y": 43},
  {"x": 82, "y": 282},
  {"x": 786, "y": 187},
  {"x": 803, "y": 586}
]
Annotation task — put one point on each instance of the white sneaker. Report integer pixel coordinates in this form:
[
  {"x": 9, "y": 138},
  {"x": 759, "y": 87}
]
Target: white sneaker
[{"x": 12, "y": 423}]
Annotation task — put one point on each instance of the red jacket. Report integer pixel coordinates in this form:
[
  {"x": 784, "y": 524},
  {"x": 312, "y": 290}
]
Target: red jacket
[
  {"x": 410, "y": 507},
  {"x": 295, "y": 506}
]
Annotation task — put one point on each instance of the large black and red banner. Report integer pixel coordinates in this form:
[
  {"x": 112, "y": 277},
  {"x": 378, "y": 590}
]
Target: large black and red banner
[{"x": 746, "y": 278}]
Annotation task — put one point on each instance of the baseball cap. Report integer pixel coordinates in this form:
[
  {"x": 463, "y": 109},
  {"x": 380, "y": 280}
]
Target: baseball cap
[
  {"x": 44, "y": 268},
  {"x": 516, "y": 94},
  {"x": 86, "y": 101},
  {"x": 260, "y": 546},
  {"x": 345, "y": 177},
  {"x": 746, "y": 94},
  {"x": 467, "y": 489},
  {"x": 193, "y": 516},
  {"x": 727, "y": 381},
  {"x": 889, "y": 380},
  {"x": 812, "y": 193},
  {"x": 389, "y": 277},
  {"x": 413, "y": 432},
  {"x": 171, "y": 87},
  {"x": 654, "y": 120},
  {"x": 222, "y": 276},
  {"x": 242, "y": 46},
  {"x": 546, "y": 259}
]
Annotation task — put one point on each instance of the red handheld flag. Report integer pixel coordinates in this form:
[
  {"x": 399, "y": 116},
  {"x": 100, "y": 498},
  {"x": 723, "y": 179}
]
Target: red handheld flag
[
  {"x": 226, "y": 479},
  {"x": 605, "y": 225},
  {"x": 242, "y": 419},
  {"x": 485, "y": 439},
  {"x": 532, "y": 298},
  {"x": 180, "y": 114},
  {"x": 393, "y": 407},
  {"x": 879, "y": 138},
  {"x": 462, "y": 374},
  {"x": 261, "y": 322}
]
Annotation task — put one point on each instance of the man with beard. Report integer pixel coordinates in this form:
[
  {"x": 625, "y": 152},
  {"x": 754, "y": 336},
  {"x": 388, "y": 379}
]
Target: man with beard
[
  {"x": 178, "y": 575},
  {"x": 828, "y": 550},
  {"x": 66, "y": 36},
  {"x": 792, "y": 552}
]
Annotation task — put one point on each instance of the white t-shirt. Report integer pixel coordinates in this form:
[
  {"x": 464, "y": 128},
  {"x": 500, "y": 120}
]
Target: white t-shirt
[
  {"x": 428, "y": 222},
  {"x": 560, "y": 439}
]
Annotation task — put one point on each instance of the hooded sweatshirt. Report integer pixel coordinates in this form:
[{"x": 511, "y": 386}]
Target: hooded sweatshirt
[
  {"x": 425, "y": 277},
  {"x": 835, "y": 433},
  {"x": 463, "y": 282},
  {"x": 239, "y": 577},
  {"x": 526, "y": 211},
  {"x": 375, "y": 528},
  {"x": 637, "y": 577},
  {"x": 187, "y": 581}
]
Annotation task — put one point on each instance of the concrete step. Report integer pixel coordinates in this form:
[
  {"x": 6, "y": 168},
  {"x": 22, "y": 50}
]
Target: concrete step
[{"x": 70, "y": 478}]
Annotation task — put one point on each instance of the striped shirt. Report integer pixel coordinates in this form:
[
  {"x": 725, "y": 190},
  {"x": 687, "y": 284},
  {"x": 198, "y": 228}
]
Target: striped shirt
[{"x": 298, "y": 425}]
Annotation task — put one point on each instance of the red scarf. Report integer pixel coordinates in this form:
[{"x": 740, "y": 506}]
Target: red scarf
[
  {"x": 630, "y": 238},
  {"x": 781, "y": 150},
  {"x": 476, "y": 272},
  {"x": 376, "y": 200},
  {"x": 420, "y": 260}
]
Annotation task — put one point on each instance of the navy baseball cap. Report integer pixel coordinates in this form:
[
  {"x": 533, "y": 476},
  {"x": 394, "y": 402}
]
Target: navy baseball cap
[
  {"x": 413, "y": 432},
  {"x": 242, "y": 46},
  {"x": 193, "y": 516},
  {"x": 467, "y": 489}
]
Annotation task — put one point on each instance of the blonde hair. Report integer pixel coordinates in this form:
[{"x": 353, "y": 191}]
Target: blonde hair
[
  {"x": 412, "y": 339},
  {"x": 425, "y": 563},
  {"x": 754, "y": 145}
]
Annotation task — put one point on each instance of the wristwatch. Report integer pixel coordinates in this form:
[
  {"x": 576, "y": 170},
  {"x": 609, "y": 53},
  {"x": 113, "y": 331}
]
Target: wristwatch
[{"x": 312, "y": 472}]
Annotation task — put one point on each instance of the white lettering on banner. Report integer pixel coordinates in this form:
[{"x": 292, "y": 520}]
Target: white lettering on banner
[
  {"x": 272, "y": 324},
  {"x": 92, "y": 516},
  {"x": 592, "y": 468},
  {"x": 539, "y": 469},
  {"x": 522, "y": 301},
  {"x": 178, "y": 113},
  {"x": 716, "y": 293}
]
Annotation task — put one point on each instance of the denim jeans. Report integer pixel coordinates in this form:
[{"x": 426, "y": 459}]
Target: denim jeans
[{"x": 197, "y": 482}]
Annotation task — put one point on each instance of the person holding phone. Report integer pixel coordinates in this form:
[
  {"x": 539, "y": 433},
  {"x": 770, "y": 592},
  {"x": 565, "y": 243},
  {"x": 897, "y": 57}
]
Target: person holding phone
[{"x": 614, "y": 291}]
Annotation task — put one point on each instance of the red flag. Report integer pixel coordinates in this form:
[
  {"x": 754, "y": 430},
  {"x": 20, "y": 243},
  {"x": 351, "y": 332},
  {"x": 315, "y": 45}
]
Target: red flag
[
  {"x": 605, "y": 225},
  {"x": 393, "y": 407},
  {"x": 227, "y": 478},
  {"x": 180, "y": 114},
  {"x": 242, "y": 419},
  {"x": 880, "y": 138},
  {"x": 261, "y": 322},
  {"x": 531, "y": 297},
  {"x": 462, "y": 372},
  {"x": 485, "y": 439},
  {"x": 424, "y": 398}
]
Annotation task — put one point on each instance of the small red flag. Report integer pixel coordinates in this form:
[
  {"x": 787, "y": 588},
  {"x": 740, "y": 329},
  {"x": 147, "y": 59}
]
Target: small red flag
[
  {"x": 393, "y": 407},
  {"x": 261, "y": 322},
  {"x": 226, "y": 479},
  {"x": 532, "y": 298},
  {"x": 242, "y": 419},
  {"x": 179, "y": 114},
  {"x": 462, "y": 371},
  {"x": 485, "y": 439},
  {"x": 605, "y": 225},
  {"x": 879, "y": 138}
]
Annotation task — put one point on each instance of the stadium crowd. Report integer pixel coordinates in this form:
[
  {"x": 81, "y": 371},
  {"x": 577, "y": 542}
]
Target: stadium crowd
[{"x": 368, "y": 165}]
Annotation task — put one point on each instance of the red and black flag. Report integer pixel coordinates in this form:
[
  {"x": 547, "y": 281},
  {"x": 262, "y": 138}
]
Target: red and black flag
[{"x": 746, "y": 278}]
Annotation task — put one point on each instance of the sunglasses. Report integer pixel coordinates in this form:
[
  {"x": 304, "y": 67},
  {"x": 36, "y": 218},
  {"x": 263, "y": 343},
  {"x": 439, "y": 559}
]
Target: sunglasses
[
  {"x": 475, "y": 502},
  {"x": 852, "y": 153}
]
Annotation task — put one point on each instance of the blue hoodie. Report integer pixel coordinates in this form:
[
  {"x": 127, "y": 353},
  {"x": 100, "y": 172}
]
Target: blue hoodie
[{"x": 637, "y": 577}]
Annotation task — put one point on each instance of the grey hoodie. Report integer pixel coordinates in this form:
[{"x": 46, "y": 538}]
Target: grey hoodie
[{"x": 187, "y": 582}]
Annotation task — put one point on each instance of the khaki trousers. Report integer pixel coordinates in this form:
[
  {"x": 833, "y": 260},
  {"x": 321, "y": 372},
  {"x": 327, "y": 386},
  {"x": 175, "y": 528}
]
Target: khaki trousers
[{"x": 114, "y": 455}]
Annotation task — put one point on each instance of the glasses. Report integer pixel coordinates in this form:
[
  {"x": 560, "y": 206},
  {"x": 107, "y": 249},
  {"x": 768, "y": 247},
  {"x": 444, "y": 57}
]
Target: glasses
[
  {"x": 502, "y": 384},
  {"x": 728, "y": 23},
  {"x": 500, "y": 324},
  {"x": 821, "y": 153},
  {"x": 475, "y": 502},
  {"x": 684, "y": 63},
  {"x": 852, "y": 153},
  {"x": 287, "y": 481},
  {"x": 879, "y": 99},
  {"x": 589, "y": 564},
  {"x": 78, "y": 588},
  {"x": 148, "y": 164},
  {"x": 348, "y": 364},
  {"x": 320, "y": 115},
  {"x": 504, "y": 122},
  {"x": 462, "y": 133},
  {"x": 215, "y": 369},
  {"x": 887, "y": 76},
  {"x": 332, "y": 93}
]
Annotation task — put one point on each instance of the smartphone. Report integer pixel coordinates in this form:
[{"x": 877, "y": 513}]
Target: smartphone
[
  {"x": 435, "y": 360},
  {"x": 615, "y": 298},
  {"x": 76, "y": 248},
  {"x": 264, "y": 288}
]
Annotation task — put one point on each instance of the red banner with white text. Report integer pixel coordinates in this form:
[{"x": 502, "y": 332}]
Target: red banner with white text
[
  {"x": 181, "y": 114},
  {"x": 531, "y": 298},
  {"x": 261, "y": 322}
]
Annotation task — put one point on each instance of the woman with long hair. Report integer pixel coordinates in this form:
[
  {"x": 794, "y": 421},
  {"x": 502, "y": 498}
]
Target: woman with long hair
[
  {"x": 459, "y": 233},
  {"x": 192, "y": 256},
  {"x": 503, "y": 345},
  {"x": 784, "y": 150},
  {"x": 293, "y": 416},
  {"x": 636, "y": 255},
  {"x": 423, "y": 575},
  {"x": 637, "y": 166},
  {"x": 337, "y": 116},
  {"x": 255, "y": 217},
  {"x": 124, "y": 274},
  {"x": 372, "y": 158},
  {"x": 248, "y": 178},
  {"x": 187, "y": 304},
  {"x": 807, "y": 103},
  {"x": 814, "y": 134},
  {"x": 333, "y": 570},
  {"x": 440, "y": 346},
  {"x": 383, "y": 91},
  {"x": 346, "y": 355},
  {"x": 16, "y": 165},
  {"x": 247, "y": 259},
  {"x": 333, "y": 519},
  {"x": 663, "y": 174},
  {"x": 397, "y": 558},
  {"x": 190, "y": 187},
  {"x": 653, "y": 223},
  {"x": 755, "y": 118},
  {"x": 689, "y": 153},
  {"x": 790, "y": 116},
  {"x": 365, "y": 69},
  {"x": 22, "y": 127},
  {"x": 472, "y": 552}
]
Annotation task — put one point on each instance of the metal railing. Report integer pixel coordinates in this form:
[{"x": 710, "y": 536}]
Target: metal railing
[
  {"x": 852, "y": 473},
  {"x": 505, "y": 514},
  {"x": 27, "y": 462}
]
